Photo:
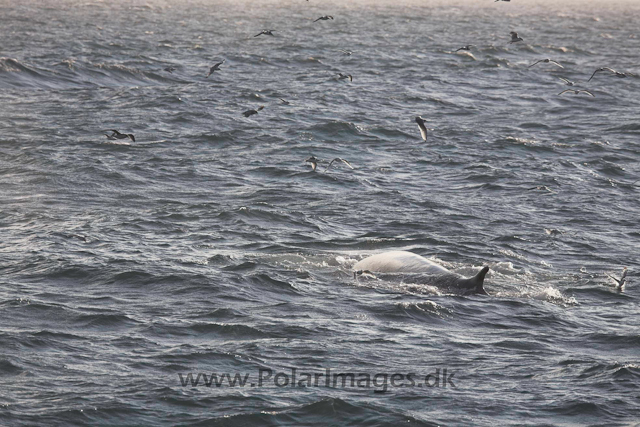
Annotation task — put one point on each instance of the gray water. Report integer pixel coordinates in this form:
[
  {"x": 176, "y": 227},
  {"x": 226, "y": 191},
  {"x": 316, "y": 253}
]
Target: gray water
[{"x": 209, "y": 246}]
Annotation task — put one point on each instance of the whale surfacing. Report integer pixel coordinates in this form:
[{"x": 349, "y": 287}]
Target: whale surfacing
[{"x": 408, "y": 262}]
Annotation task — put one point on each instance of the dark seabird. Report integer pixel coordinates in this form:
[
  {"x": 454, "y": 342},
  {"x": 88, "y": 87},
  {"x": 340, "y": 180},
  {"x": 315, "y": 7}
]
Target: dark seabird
[
  {"x": 515, "y": 38},
  {"x": 265, "y": 32},
  {"x": 567, "y": 82},
  {"x": 467, "y": 47},
  {"x": 314, "y": 162},
  {"x": 423, "y": 129},
  {"x": 110, "y": 137},
  {"x": 215, "y": 68},
  {"x": 577, "y": 92},
  {"x": 170, "y": 70},
  {"x": 500, "y": 0},
  {"x": 345, "y": 76},
  {"x": 622, "y": 279},
  {"x": 617, "y": 74},
  {"x": 118, "y": 135},
  {"x": 546, "y": 61},
  {"x": 338, "y": 159},
  {"x": 252, "y": 112},
  {"x": 284, "y": 101},
  {"x": 324, "y": 18}
]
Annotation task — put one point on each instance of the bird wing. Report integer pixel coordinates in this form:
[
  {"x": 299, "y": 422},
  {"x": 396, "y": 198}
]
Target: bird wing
[
  {"x": 261, "y": 33},
  {"x": 338, "y": 159},
  {"x": 624, "y": 274},
  {"x": 587, "y": 92},
  {"x": 616, "y": 280},
  {"x": 558, "y": 64},
  {"x": 540, "y": 60},
  {"x": 350, "y": 77},
  {"x": 594, "y": 73},
  {"x": 318, "y": 19},
  {"x": 133, "y": 138},
  {"x": 347, "y": 163},
  {"x": 564, "y": 80},
  {"x": 423, "y": 131},
  {"x": 565, "y": 91}
]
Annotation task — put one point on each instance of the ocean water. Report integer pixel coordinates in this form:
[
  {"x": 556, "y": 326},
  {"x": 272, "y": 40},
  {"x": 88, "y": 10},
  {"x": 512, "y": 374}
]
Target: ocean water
[{"x": 208, "y": 246}]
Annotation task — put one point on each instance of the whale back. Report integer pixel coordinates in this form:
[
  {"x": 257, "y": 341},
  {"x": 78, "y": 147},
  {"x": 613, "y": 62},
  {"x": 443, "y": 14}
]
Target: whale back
[
  {"x": 400, "y": 262},
  {"x": 408, "y": 262}
]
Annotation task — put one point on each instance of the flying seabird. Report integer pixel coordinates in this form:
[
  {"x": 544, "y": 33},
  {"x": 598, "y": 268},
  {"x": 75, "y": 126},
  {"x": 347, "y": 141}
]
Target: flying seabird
[
  {"x": 546, "y": 61},
  {"x": 118, "y": 135},
  {"x": 252, "y": 112},
  {"x": 515, "y": 38},
  {"x": 467, "y": 47},
  {"x": 577, "y": 92},
  {"x": 622, "y": 279},
  {"x": 567, "y": 82},
  {"x": 284, "y": 102},
  {"x": 617, "y": 74},
  {"x": 169, "y": 70},
  {"x": 324, "y": 18},
  {"x": 314, "y": 162},
  {"x": 345, "y": 76},
  {"x": 346, "y": 52},
  {"x": 215, "y": 68},
  {"x": 265, "y": 32},
  {"x": 338, "y": 159},
  {"x": 423, "y": 129}
]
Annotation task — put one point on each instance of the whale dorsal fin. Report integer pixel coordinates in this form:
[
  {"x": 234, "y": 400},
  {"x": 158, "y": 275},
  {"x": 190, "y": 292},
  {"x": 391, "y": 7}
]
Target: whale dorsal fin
[{"x": 477, "y": 281}]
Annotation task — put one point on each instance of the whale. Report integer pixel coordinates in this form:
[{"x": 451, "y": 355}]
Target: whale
[{"x": 434, "y": 274}]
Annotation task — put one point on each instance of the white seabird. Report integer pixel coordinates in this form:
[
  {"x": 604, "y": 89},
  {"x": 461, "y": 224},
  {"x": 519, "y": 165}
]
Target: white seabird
[
  {"x": 577, "y": 92},
  {"x": 265, "y": 32},
  {"x": 338, "y": 159},
  {"x": 622, "y": 279},
  {"x": 314, "y": 162},
  {"x": 611, "y": 70},
  {"x": 546, "y": 61}
]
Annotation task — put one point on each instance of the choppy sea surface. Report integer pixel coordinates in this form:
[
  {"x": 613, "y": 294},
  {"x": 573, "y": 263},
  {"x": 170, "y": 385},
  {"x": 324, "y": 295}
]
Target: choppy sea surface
[{"x": 208, "y": 246}]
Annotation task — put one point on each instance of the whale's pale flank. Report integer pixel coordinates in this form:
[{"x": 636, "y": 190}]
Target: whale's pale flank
[{"x": 408, "y": 262}]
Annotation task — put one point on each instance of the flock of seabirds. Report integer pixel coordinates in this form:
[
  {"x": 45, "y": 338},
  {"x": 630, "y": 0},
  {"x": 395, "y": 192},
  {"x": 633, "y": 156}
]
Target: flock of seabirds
[{"x": 421, "y": 122}]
